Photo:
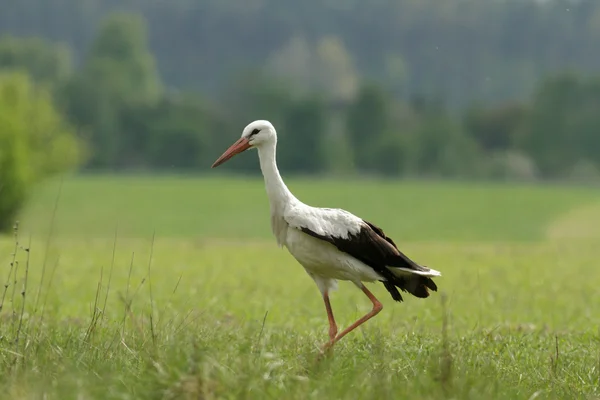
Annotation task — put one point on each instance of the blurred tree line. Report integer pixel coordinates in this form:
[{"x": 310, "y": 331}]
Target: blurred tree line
[
  {"x": 447, "y": 91},
  {"x": 467, "y": 50}
]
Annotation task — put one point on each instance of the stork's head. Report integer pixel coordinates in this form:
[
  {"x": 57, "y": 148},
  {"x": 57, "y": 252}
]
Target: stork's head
[{"x": 255, "y": 134}]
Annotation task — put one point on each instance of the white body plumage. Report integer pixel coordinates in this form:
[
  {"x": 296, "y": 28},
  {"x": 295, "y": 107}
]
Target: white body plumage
[{"x": 321, "y": 260}]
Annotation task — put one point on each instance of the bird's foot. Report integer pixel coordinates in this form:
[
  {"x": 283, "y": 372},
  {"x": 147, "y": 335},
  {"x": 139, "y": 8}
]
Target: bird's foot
[
  {"x": 326, "y": 350},
  {"x": 328, "y": 347}
]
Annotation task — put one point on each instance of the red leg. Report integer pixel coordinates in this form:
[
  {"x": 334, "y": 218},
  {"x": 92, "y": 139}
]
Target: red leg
[
  {"x": 377, "y": 307},
  {"x": 333, "y": 329}
]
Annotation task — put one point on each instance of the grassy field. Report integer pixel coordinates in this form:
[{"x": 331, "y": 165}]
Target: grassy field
[{"x": 173, "y": 288}]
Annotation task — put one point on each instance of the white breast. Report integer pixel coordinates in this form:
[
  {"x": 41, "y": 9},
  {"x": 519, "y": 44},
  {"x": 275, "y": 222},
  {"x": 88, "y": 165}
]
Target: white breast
[{"x": 324, "y": 260}]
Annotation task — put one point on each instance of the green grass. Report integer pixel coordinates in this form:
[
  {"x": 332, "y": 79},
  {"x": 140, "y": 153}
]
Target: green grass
[
  {"x": 210, "y": 309},
  {"x": 216, "y": 208}
]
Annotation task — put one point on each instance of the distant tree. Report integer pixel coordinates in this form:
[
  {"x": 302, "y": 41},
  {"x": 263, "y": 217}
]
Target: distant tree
[
  {"x": 294, "y": 63},
  {"x": 367, "y": 122},
  {"x": 563, "y": 124},
  {"x": 509, "y": 165},
  {"x": 495, "y": 128},
  {"x": 118, "y": 74},
  {"x": 302, "y": 132},
  {"x": 396, "y": 74},
  {"x": 44, "y": 61},
  {"x": 336, "y": 150},
  {"x": 337, "y": 155},
  {"x": 35, "y": 142},
  {"x": 121, "y": 59},
  {"x": 250, "y": 96},
  {"x": 407, "y": 47},
  {"x": 325, "y": 68},
  {"x": 174, "y": 133},
  {"x": 583, "y": 124},
  {"x": 472, "y": 50},
  {"x": 438, "y": 146},
  {"x": 335, "y": 70}
]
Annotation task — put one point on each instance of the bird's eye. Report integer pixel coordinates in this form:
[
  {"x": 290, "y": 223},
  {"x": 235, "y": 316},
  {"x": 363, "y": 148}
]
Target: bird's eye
[{"x": 254, "y": 132}]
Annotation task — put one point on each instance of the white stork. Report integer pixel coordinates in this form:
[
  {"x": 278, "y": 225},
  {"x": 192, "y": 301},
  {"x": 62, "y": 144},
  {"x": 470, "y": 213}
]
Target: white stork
[{"x": 331, "y": 244}]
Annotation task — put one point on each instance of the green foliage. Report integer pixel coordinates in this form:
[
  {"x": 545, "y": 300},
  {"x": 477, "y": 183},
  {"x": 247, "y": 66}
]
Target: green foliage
[
  {"x": 171, "y": 134},
  {"x": 495, "y": 128},
  {"x": 301, "y": 121},
  {"x": 118, "y": 75},
  {"x": 332, "y": 116},
  {"x": 367, "y": 123},
  {"x": 249, "y": 97},
  {"x": 44, "y": 61},
  {"x": 35, "y": 142},
  {"x": 121, "y": 62},
  {"x": 562, "y": 129},
  {"x": 326, "y": 67},
  {"x": 305, "y": 123},
  {"x": 510, "y": 165},
  {"x": 471, "y": 49},
  {"x": 337, "y": 154},
  {"x": 440, "y": 147}
]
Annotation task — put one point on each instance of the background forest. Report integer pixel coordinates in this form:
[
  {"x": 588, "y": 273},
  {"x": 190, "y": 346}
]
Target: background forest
[{"x": 490, "y": 89}]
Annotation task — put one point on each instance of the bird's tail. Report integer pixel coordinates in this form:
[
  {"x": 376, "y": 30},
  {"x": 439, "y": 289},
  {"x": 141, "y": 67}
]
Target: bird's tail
[
  {"x": 416, "y": 282},
  {"x": 419, "y": 285}
]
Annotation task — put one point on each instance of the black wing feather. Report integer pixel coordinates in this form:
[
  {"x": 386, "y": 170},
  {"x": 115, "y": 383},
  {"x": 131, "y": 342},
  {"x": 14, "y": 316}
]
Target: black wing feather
[{"x": 375, "y": 249}]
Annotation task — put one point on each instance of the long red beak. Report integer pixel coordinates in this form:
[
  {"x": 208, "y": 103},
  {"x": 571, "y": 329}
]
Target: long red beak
[{"x": 241, "y": 145}]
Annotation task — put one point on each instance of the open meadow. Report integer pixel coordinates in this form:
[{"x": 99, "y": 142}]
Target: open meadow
[{"x": 174, "y": 288}]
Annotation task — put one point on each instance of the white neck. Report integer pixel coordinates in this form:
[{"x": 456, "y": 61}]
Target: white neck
[{"x": 278, "y": 193}]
